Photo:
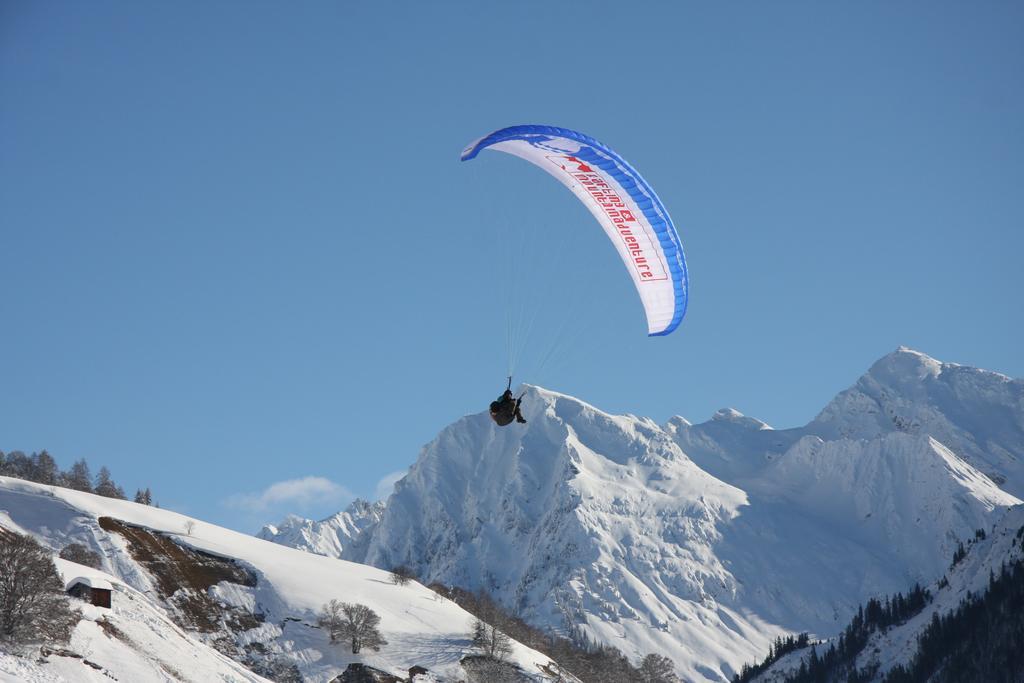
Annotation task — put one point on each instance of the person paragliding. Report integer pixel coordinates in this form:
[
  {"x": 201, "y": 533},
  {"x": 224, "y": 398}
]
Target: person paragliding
[
  {"x": 625, "y": 206},
  {"x": 506, "y": 408}
]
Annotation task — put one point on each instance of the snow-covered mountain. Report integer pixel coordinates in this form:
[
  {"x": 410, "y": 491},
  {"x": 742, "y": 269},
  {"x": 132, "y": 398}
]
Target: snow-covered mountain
[
  {"x": 338, "y": 533},
  {"x": 583, "y": 521},
  {"x": 985, "y": 556},
  {"x": 192, "y": 601},
  {"x": 977, "y": 414},
  {"x": 704, "y": 541}
]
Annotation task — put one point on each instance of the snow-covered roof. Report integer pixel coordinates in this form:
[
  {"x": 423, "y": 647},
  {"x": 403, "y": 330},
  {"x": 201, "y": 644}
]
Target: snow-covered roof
[{"x": 91, "y": 582}]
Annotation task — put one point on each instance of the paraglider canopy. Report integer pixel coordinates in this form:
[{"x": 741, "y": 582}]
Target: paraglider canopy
[{"x": 622, "y": 202}]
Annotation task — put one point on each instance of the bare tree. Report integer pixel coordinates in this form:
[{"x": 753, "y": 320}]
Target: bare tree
[
  {"x": 402, "y": 574},
  {"x": 490, "y": 641},
  {"x": 329, "y": 619},
  {"x": 556, "y": 672},
  {"x": 190, "y": 526},
  {"x": 658, "y": 669},
  {"x": 483, "y": 669},
  {"x": 76, "y": 552},
  {"x": 357, "y": 624},
  {"x": 33, "y": 605}
]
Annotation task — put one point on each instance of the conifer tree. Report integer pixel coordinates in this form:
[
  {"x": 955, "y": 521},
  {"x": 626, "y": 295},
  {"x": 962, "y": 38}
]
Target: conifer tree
[
  {"x": 105, "y": 486},
  {"x": 44, "y": 468},
  {"x": 79, "y": 477},
  {"x": 18, "y": 465}
]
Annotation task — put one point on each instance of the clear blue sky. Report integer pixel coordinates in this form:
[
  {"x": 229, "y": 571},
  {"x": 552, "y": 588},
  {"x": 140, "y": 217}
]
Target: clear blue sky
[{"x": 239, "y": 249}]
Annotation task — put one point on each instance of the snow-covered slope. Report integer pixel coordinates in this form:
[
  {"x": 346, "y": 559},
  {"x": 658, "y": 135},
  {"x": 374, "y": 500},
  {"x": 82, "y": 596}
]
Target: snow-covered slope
[
  {"x": 897, "y": 645},
  {"x": 134, "y": 641},
  {"x": 265, "y": 601},
  {"x": 832, "y": 523},
  {"x": 909, "y": 496},
  {"x": 984, "y": 557},
  {"x": 977, "y": 414},
  {"x": 704, "y": 541}
]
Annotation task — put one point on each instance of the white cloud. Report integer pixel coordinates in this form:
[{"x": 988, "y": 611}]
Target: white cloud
[
  {"x": 303, "y": 493},
  {"x": 387, "y": 484}
]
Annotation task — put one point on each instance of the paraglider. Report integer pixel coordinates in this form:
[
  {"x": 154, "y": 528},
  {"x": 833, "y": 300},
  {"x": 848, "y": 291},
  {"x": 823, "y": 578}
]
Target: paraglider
[
  {"x": 506, "y": 408},
  {"x": 625, "y": 206},
  {"x": 623, "y": 203}
]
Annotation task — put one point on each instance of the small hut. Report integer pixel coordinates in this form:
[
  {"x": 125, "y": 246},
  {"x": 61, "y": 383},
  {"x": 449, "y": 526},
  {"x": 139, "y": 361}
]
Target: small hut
[{"x": 91, "y": 589}]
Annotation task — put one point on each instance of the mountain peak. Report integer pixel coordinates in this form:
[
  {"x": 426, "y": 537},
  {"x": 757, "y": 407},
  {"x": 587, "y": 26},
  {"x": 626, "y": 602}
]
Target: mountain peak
[
  {"x": 975, "y": 413},
  {"x": 331, "y": 536},
  {"x": 734, "y": 416},
  {"x": 532, "y": 393},
  {"x": 726, "y": 414},
  {"x": 905, "y": 365}
]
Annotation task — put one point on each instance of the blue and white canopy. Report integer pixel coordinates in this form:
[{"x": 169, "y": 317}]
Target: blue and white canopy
[{"x": 622, "y": 202}]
